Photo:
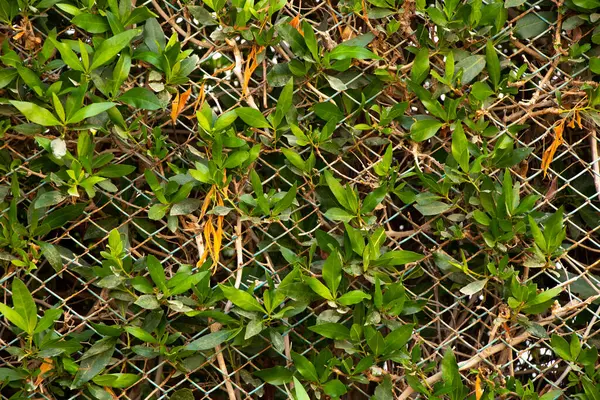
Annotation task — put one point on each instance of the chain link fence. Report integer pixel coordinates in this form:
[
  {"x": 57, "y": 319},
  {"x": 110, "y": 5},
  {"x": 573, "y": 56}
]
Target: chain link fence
[{"x": 251, "y": 255}]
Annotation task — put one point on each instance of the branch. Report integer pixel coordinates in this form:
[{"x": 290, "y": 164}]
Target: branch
[{"x": 490, "y": 351}]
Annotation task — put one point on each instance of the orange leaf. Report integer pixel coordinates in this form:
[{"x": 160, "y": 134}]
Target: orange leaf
[
  {"x": 179, "y": 104},
  {"x": 551, "y": 151},
  {"x": 208, "y": 232},
  {"x": 45, "y": 367},
  {"x": 251, "y": 66},
  {"x": 295, "y": 23},
  {"x": 478, "y": 391}
]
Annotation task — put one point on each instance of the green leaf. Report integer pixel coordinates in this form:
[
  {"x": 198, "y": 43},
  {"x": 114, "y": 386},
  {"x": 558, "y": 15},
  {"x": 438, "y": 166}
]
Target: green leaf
[
  {"x": 398, "y": 338},
  {"x": 90, "y": 111},
  {"x": 252, "y": 117},
  {"x": 185, "y": 207},
  {"x": 300, "y": 391},
  {"x": 471, "y": 67},
  {"x": 52, "y": 255},
  {"x": 420, "y": 68},
  {"x": 112, "y": 46},
  {"x": 337, "y": 214},
  {"x": 284, "y": 102},
  {"x": 338, "y": 190},
  {"x": 450, "y": 373},
  {"x": 286, "y": 201},
  {"x": 157, "y": 211},
  {"x": 275, "y": 375},
  {"x": 119, "y": 380},
  {"x": 356, "y": 239},
  {"x": 14, "y": 317},
  {"x": 157, "y": 273},
  {"x": 398, "y": 257},
  {"x": 473, "y": 287},
  {"x": 210, "y": 341},
  {"x": 595, "y": 65},
  {"x": 481, "y": 91},
  {"x": 35, "y": 113},
  {"x": 493, "y": 63},
  {"x": 353, "y": 297},
  {"x": 424, "y": 129},
  {"x": 460, "y": 150},
  {"x": 7, "y": 75},
  {"x": 143, "y": 98},
  {"x": 554, "y": 230},
  {"x": 319, "y": 288},
  {"x": 49, "y": 199},
  {"x": 433, "y": 208},
  {"x": 375, "y": 341},
  {"x": 545, "y": 296},
  {"x": 93, "y": 23},
  {"x": 344, "y": 52},
  {"x": 373, "y": 199},
  {"x": 539, "y": 238},
  {"x": 534, "y": 24},
  {"x": 551, "y": 395},
  {"x": 225, "y": 120},
  {"x": 328, "y": 112},
  {"x": 50, "y": 316},
  {"x": 116, "y": 170},
  {"x": 141, "y": 334},
  {"x": 332, "y": 272},
  {"x": 587, "y": 4},
  {"x": 253, "y": 328},
  {"x": 561, "y": 347},
  {"x": 95, "y": 359},
  {"x": 575, "y": 346},
  {"x": 295, "y": 159},
  {"x": 236, "y": 159},
  {"x": 148, "y": 302},
  {"x": 331, "y": 330},
  {"x": 513, "y": 3},
  {"x": 242, "y": 299},
  {"x": 305, "y": 367},
  {"x": 335, "y": 388},
  {"x": 24, "y": 305},
  {"x": 203, "y": 16},
  {"x": 310, "y": 40}
]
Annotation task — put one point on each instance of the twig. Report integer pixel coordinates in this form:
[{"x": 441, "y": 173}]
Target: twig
[
  {"x": 237, "y": 70},
  {"x": 490, "y": 351},
  {"x": 199, "y": 43},
  {"x": 215, "y": 327}
]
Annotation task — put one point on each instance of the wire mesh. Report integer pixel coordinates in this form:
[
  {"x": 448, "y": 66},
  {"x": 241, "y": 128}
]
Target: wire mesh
[{"x": 469, "y": 324}]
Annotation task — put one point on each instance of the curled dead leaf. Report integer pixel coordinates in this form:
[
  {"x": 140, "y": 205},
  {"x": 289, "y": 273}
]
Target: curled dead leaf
[
  {"x": 551, "y": 151},
  {"x": 179, "y": 104}
]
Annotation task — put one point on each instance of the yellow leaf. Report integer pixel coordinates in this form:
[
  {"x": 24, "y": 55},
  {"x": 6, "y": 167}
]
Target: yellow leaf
[
  {"x": 207, "y": 201},
  {"x": 478, "y": 391},
  {"x": 251, "y": 66},
  {"x": 551, "y": 151},
  {"x": 208, "y": 231},
  {"x": 179, "y": 104},
  {"x": 295, "y": 23},
  {"x": 45, "y": 367}
]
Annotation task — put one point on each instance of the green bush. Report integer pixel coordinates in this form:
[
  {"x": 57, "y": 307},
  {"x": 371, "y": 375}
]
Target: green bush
[{"x": 310, "y": 200}]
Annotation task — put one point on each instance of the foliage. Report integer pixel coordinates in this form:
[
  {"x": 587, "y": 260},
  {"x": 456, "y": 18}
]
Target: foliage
[{"x": 235, "y": 199}]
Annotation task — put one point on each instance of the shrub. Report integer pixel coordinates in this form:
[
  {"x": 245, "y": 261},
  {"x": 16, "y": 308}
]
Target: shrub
[{"x": 238, "y": 199}]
